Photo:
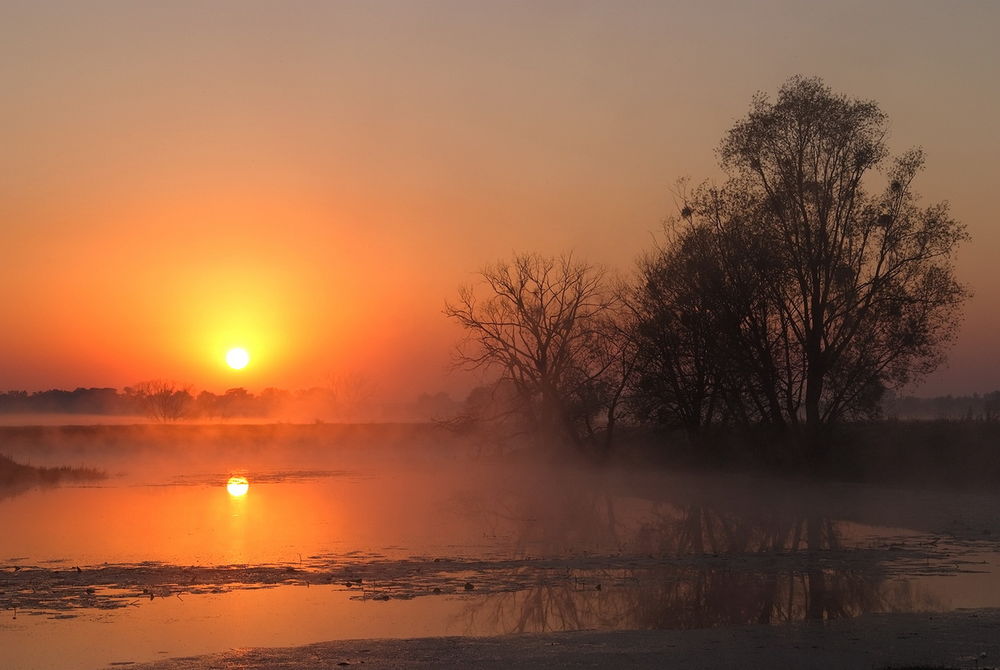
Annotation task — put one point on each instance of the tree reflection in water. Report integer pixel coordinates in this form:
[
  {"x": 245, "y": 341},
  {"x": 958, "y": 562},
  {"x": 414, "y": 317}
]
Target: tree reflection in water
[{"x": 712, "y": 568}]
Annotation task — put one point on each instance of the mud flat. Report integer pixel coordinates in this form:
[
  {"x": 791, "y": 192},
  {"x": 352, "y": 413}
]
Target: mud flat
[{"x": 961, "y": 639}]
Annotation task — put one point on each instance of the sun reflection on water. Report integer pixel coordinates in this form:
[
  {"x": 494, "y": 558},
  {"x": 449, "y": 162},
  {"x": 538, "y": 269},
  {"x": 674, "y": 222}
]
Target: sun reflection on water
[{"x": 237, "y": 486}]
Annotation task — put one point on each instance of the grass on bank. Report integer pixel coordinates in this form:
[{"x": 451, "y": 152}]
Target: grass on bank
[{"x": 14, "y": 474}]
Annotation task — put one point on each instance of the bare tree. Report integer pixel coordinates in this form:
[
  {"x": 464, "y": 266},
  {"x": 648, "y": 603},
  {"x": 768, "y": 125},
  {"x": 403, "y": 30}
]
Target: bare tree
[
  {"x": 681, "y": 368},
  {"x": 164, "y": 400},
  {"x": 617, "y": 358},
  {"x": 707, "y": 331},
  {"x": 542, "y": 324},
  {"x": 351, "y": 394}
]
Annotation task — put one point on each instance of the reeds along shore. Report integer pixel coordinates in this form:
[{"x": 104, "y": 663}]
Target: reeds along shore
[{"x": 13, "y": 473}]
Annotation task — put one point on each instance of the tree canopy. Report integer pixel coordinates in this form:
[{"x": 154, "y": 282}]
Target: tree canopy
[
  {"x": 799, "y": 290},
  {"x": 545, "y": 325},
  {"x": 792, "y": 296}
]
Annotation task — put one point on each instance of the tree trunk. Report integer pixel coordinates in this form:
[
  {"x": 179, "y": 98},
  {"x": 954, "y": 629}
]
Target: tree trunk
[
  {"x": 815, "y": 374},
  {"x": 609, "y": 430},
  {"x": 814, "y": 391}
]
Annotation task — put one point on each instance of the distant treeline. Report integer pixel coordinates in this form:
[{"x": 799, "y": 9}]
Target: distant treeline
[
  {"x": 139, "y": 400},
  {"x": 169, "y": 402},
  {"x": 975, "y": 407}
]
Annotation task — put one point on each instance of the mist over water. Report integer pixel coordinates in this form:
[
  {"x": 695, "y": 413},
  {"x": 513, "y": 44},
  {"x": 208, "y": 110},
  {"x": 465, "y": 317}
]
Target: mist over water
[{"x": 411, "y": 530}]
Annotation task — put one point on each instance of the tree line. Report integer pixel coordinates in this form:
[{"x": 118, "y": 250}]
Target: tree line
[
  {"x": 159, "y": 400},
  {"x": 786, "y": 300},
  {"x": 486, "y": 404},
  {"x": 346, "y": 398}
]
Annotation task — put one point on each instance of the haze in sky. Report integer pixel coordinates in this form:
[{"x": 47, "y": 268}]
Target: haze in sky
[{"x": 311, "y": 181}]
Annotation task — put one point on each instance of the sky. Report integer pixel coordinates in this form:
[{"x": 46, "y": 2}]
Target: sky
[{"x": 312, "y": 180}]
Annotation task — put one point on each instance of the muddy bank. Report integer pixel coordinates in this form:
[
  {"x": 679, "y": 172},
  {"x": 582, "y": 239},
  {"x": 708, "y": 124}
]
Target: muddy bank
[
  {"x": 62, "y": 589},
  {"x": 963, "y": 639}
]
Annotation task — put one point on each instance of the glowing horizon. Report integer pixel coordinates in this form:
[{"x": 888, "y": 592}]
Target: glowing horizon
[{"x": 252, "y": 183}]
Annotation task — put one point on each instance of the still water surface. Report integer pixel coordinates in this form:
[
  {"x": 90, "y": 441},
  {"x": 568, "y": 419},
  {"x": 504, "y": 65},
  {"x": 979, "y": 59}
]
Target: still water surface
[{"x": 167, "y": 557}]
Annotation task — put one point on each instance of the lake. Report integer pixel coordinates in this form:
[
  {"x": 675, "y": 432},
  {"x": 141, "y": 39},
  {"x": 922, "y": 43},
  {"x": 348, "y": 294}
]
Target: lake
[{"x": 346, "y": 532}]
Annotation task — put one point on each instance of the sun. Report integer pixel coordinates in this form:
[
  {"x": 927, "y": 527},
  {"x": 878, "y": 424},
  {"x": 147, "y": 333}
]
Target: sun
[
  {"x": 237, "y": 486},
  {"x": 237, "y": 358}
]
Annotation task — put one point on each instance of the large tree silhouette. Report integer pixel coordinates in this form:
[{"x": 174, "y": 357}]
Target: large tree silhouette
[
  {"x": 164, "y": 400},
  {"x": 543, "y": 324},
  {"x": 800, "y": 295}
]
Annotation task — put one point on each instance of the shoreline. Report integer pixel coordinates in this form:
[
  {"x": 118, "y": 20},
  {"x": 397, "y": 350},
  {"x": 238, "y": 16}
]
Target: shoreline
[{"x": 958, "y": 639}]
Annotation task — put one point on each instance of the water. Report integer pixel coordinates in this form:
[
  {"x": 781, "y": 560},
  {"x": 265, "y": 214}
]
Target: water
[{"x": 401, "y": 532}]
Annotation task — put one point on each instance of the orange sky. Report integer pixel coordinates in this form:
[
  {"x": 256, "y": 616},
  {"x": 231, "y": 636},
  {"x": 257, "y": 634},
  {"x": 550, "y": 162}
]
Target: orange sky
[{"x": 311, "y": 180}]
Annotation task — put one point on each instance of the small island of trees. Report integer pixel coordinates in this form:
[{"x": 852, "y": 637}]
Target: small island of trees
[{"x": 788, "y": 300}]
